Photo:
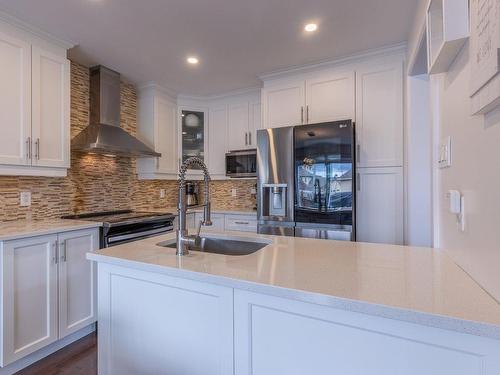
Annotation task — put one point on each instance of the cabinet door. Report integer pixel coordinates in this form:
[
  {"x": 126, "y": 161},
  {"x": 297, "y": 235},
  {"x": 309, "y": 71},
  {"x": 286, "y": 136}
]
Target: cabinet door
[
  {"x": 193, "y": 137},
  {"x": 51, "y": 109},
  {"x": 217, "y": 221},
  {"x": 330, "y": 98},
  {"x": 241, "y": 223},
  {"x": 283, "y": 105},
  {"x": 380, "y": 205},
  {"x": 237, "y": 126},
  {"x": 15, "y": 101},
  {"x": 255, "y": 124},
  {"x": 29, "y": 296},
  {"x": 217, "y": 141},
  {"x": 155, "y": 324},
  {"x": 166, "y": 137},
  {"x": 77, "y": 280},
  {"x": 379, "y": 116}
]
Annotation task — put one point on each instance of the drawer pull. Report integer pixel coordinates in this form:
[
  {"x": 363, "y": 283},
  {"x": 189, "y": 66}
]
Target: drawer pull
[{"x": 241, "y": 222}]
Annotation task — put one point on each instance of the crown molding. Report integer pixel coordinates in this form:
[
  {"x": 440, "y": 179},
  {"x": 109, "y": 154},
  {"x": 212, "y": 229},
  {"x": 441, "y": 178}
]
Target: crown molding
[
  {"x": 152, "y": 86},
  {"x": 17, "y": 23},
  {"x": 398, "y": 48}
]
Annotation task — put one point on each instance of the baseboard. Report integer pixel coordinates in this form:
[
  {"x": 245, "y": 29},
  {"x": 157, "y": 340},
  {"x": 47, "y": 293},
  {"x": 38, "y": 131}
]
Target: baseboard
[{"x": 44, "y": 352}]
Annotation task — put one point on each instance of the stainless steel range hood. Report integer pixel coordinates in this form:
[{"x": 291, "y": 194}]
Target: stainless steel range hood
[{"x": 104, "y": 134}]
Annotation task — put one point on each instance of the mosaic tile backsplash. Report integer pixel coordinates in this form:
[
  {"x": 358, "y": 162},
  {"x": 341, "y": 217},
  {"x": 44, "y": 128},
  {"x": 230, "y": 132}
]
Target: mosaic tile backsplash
[{"x": 100, "y": 183}]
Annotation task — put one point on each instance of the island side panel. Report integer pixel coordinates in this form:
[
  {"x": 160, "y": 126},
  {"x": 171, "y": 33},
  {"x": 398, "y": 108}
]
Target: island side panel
[
  {"x": 154, "y": 324},
  {"x": 275, "y": 335}
]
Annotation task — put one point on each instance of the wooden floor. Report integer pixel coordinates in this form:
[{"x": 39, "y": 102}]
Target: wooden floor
[{"x": 79, "y": 358}]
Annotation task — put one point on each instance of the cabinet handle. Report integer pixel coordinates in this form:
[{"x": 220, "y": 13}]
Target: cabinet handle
[
  {"x": 28, "y": 148},
  {"x": 358, "y": 152},
  {"x": 301, "y": 114},
  {"x": 358, "y": 182},
  {"x": 37, "y": 149},
  {"x": 62, "y": 246},
  {"x": 250, "y": 138},
  {"x": 307, "y": 114},
  {"x": 55, "y": 257},
  {"x": 241, "y": 222},
  {"x": 246, "y": 139}
]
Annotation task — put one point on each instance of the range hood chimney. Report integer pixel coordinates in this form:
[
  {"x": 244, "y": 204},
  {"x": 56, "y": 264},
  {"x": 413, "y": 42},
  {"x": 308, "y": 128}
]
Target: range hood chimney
[{"x": 104, "y": 134}]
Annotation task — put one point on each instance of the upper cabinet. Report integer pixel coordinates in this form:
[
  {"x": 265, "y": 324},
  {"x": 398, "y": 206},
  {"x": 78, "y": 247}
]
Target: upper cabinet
[
  {"x": 34, "y": 106},
  {"x": 379, "y": 115},
  {"x": 15, "y": 101},
  {"x": 320, "y": 98},
  {"x": 157, "y": 127},
  {"x": 50, "y": 90},
  {"x": 243, "y": 123}
]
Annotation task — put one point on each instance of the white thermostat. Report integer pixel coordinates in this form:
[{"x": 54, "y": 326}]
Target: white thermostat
[{"x": 445, "y": 153}]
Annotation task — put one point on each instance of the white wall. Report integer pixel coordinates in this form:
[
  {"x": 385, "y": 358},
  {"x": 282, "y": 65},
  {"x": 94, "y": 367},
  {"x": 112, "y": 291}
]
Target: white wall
[
  {"x": 475, "y": 172},
  {"x": 419, "y": 163}
]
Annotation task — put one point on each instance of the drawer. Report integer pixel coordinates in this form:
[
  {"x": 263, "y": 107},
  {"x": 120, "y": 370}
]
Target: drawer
[
  {"x": 217, "y": 221},
  {"x": 242, "y": 223}
]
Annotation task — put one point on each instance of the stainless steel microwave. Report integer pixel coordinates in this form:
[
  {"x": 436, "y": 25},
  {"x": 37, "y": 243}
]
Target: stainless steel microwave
[{"x": 241, "y": 164}]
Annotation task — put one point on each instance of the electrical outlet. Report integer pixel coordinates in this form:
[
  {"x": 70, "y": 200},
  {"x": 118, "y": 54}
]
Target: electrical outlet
[
  {"x": 253, "y": 191},
  {"x": 233, "y": 193},
  {"x": 162, "y": 193},
  {"x": 25, "y": 198}
]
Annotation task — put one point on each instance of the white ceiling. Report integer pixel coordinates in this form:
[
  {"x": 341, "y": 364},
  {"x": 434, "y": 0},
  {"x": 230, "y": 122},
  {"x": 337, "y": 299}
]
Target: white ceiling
[{"x": 236, "y": 40}]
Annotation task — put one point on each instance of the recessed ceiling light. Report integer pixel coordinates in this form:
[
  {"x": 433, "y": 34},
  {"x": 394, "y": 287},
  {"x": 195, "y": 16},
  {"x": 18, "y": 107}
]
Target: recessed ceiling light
[
  {"x": 192, "y": 60},
  {"x": 310, "y": 27}
]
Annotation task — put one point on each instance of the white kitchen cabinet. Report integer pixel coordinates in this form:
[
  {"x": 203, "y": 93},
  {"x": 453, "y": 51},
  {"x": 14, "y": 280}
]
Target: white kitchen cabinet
[
  {"x": 77, "y": 280},
  {"x": 330, "y": 97},
  {"x": 283, "y": 104},
  {"x": 380, "y": 212},
  {"x": 323, "y": 97},
  {"x": 157, "y": 127},
  {"x": 29, "y": 296},
  {"x": 379, "y": 115},
  {"x": 274, "y": 335},
  {"x": 188, "y": 324},
  {"x": 34, "y": 106},
  {"x": 15, "y": 101},
  {"x": 255, "y": 123},
  {"x": 241, "y": 223},
  {"x": 47, "y": 290},
  {"x": 238, "y": 126},
  {"x": 50, "y": 109},
  {"x": 217, "y": 141}
]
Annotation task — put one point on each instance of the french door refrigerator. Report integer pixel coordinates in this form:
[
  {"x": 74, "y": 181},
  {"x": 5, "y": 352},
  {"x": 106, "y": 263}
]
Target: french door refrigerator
[
  {"x": 305, "y": 181},
  {"x": 324, "y": 178}
]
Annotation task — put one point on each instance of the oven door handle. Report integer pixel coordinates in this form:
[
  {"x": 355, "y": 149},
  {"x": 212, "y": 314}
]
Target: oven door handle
[{"x": 113, "y": 239}]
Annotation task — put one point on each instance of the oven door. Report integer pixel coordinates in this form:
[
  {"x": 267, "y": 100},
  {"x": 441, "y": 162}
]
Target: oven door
[
  {"x": 134, "y": 232},
  {"x": 241, "y": 164}
]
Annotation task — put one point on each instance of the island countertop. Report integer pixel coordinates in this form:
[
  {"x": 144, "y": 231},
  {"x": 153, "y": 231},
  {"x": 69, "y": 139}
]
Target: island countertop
[{"x": 417, "y": 285}]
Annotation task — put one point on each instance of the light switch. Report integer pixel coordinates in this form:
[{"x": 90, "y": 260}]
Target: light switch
[
  {"x": 445, "y": 153},
  {"x": 25, "y": 199}
]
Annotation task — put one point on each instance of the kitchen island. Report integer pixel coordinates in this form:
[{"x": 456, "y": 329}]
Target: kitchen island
[{"x": 297, "y": 306}]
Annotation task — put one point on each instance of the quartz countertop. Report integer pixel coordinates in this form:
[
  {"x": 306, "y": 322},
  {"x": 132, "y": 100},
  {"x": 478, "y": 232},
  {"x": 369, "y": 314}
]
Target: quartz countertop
[
  {"x": 11, "y": 230},
  {"x": 418, "y": 285}
]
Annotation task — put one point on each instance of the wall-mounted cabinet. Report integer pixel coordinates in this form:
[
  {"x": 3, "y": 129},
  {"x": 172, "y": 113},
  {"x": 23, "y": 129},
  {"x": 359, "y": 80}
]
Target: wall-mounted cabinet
[
  {"x": 324, "y": 97},
  {"x": 34, "y": 107},
  {"x": 447, "y": 31},
  {"x": 157, "y": 127}
]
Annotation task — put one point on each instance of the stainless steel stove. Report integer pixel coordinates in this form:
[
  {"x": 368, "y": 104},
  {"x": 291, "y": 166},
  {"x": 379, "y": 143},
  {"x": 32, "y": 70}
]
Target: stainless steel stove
[{"x": 126, "y": 226}]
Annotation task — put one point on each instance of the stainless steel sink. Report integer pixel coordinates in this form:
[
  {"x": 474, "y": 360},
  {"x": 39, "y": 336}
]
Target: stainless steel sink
[{"x": 225, "y": 246}]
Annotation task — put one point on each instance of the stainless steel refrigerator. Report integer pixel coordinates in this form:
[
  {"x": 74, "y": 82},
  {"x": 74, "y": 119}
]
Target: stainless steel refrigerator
[{"x": 306, "y": 181}]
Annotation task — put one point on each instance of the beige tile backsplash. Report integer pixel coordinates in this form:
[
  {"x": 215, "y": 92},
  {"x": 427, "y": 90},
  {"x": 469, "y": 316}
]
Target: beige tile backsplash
[{"x": 100, "y": 183}]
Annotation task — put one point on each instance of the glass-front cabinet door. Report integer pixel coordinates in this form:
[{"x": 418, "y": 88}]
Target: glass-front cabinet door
[{"x": 192, "y": 135}]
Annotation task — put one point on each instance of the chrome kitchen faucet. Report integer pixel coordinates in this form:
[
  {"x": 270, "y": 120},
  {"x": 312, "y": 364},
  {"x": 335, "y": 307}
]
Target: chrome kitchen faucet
[{"x": 184, "y": 240}]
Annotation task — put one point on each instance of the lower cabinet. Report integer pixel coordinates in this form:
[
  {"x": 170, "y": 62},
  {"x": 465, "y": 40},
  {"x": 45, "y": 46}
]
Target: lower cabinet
[
  {"x": 155, "y": 324},
  {"x": 241, "y": 223},
  {"x": 217, "y": 220},
  {"x": 380, "y": 205},
  {"x": 47, "y": 290},
  {"x": 279, "y": 336}
]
